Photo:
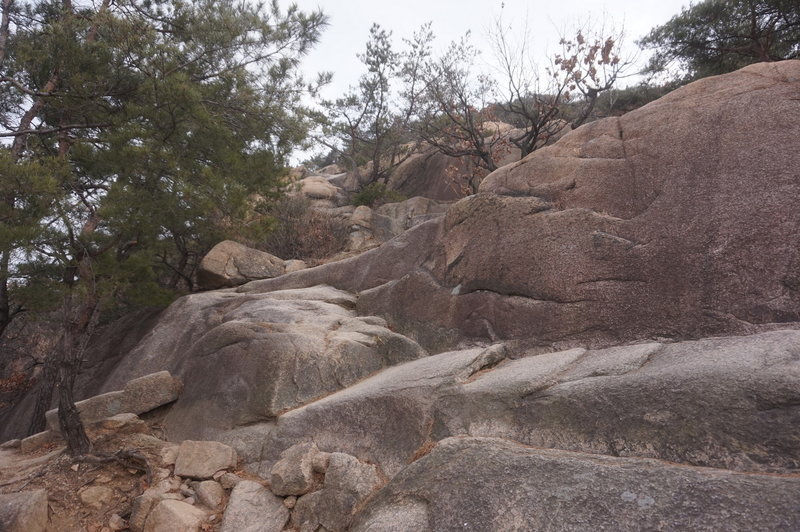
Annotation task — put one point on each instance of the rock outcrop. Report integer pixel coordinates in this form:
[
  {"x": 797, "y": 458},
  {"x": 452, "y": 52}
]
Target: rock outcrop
[
  {"x": 491, "y": 484},
  {"x": 645, "y": 400},
  {"x": 246, "y": 358},
  {"x": 627, "y": 228},
  {"x": 606, "y": 337}
]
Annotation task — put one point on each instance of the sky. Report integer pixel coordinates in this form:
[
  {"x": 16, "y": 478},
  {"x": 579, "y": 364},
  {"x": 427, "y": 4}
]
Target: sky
[{"x": 350, "y": 21}]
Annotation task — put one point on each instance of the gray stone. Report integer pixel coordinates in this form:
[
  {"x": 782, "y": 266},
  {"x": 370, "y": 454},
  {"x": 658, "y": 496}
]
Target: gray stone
[
  {"x": 229, "y": 480},
  {"x": 252, "y": 508},
  {"x": 96, "y": 496},
  {"x": 348, "y": 483},
  {"x": 11, "y": 444},
  {"x": 293, "y": 474},
  {"x": 201, "y": 459},
  {"x": 491, "y": 484},
  {"x": 25, "y": 511},
  {"x": 169, "y": 454},
  {"x": 210, "y": 494},
  {"x": 230, "y": 264},
  {"x": 252, "y": 356},
  {"x": 702, "y": 403},
  {"x": 388, "y": 412},
  {"x": 151, "y": 391},
  {"x": 175, "y": 516},
  {"x": 116, "y": 522}
]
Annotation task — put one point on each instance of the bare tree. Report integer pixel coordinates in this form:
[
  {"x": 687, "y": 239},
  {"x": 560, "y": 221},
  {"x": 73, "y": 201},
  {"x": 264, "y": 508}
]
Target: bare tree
[
  {"x": 534, "y": 97},
  {"x": 454, "y": 115}
]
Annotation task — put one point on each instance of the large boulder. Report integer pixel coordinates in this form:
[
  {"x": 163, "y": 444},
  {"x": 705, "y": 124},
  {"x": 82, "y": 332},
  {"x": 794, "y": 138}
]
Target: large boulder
[
  {"x": 492, "y": 484},
  {"x": 627, "y": 228},
  {"x": 231, "y": 264},
  {"x": 678, "y": 219},
  {"x": 247, "y": 357},
  {"x": 393, "y": 219}
]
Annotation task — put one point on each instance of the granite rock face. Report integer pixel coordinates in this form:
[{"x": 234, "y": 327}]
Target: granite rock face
[
  {"x": 728, "y": 403},
  {"x": 627, "y": 228},
  {"x": 606, "y": 337},
  {"x": 247, "y": 357},
  {"x": 491, "y": 484}
]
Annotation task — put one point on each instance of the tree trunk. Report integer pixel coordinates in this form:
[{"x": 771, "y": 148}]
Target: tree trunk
[
  {"x": 5, "y": 303},
  {"x": 71, "y": 425},
  {"x": 591, "y": 97},
  {"x": 44, "y": 398}
]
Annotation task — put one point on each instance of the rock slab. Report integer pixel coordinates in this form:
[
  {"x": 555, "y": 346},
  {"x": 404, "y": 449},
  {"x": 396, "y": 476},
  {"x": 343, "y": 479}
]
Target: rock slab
[
  {"x": 140, "y": 395},
  {"x": 492, "y": 484}
]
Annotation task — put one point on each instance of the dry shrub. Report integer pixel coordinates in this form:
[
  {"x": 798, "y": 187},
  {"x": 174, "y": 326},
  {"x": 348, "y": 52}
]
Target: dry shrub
[{"x": 302, "y": 232}]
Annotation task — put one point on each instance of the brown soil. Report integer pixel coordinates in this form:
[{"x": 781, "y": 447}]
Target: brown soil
[{"x": 83, "y": 496}]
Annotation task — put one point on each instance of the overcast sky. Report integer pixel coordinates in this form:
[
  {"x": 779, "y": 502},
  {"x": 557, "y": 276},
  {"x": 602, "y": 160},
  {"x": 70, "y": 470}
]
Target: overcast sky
[{"x": 350, "y": 21}]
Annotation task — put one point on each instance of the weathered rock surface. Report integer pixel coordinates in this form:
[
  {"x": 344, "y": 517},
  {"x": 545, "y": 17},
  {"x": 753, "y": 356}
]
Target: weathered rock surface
[
  {"x": 437, "y": 176},
  {"x": 589, "y": 267},
  {"x": 246, "y": 357},
  {"x": 727, "y": 403},
  {"x": 348, "y": 483},
  {"x": 491, "y": 484},
  {"x": 371, "y": 227},
  {"x": 210, "y": 494},
  {"x": 383, "y": 419},
  {"x": 253, "y": 508},
  {"x": 25, "y": 511},
  {"x": 628, "y": 227},
  {"x": 293, "y": 474},
  {"x": 201, "y": 459},
  {"x": 393, "y": 219},
  {"x": 231, "y": 264},
  {"x": 373, "y": 268}
]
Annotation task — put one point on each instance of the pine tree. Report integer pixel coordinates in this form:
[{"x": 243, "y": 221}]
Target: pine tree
[{"x": 142, "y": 130}]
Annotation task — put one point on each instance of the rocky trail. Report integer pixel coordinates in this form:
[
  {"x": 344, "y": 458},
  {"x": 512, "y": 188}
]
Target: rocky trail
[{"x": 606, "y": 337}]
